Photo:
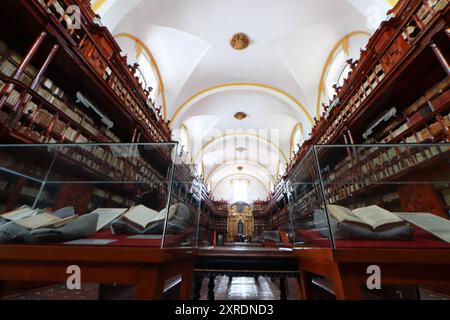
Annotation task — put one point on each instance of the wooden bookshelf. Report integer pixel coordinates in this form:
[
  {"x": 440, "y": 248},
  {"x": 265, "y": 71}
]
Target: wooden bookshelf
[
  {"x": 44, "y": 65},
  {"x": 92, "y": 54},
  {"x": 402, "y": 78}
]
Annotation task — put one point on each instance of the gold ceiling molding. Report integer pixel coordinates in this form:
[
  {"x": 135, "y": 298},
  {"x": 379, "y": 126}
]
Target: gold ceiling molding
[
  {"x": 270, "y": 89},
  {"x": 252, "y": 177},
  {"x": 231, "y": 162},
  {"x": 392, "y": 3},
  {"x": 242, "y": 134},
  {"x": 97, "y": 5},
  {"x": 140, "y": 45},
  {"x": 240, "y": 41},
  {"x": 344, "y": 44},
  {"x": 291, "y": 148}
]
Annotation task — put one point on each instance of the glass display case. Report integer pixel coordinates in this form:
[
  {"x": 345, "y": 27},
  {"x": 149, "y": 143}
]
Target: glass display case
[
  {"x": 140, "y": 195},
  {"x": 371, "y": 196}
]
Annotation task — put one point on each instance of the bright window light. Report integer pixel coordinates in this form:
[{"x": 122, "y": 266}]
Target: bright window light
[
  {"x": 184, "y": 140},
  {"x": 334, "y": 73},
  {"x": 298, "y": 138},
  {"x": 240, "y": 190},
  {"x": 149, "y": 75}
]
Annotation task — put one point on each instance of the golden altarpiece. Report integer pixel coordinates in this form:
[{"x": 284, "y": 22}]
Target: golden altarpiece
[{"x": 240, "y": 221}]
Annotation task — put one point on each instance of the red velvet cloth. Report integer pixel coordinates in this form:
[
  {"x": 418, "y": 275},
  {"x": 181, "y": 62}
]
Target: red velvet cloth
[{"x": 421, "y": 240}]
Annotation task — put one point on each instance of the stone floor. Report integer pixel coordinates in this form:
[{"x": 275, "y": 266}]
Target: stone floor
[
  {"x": 240, "y": 288},
  {"x": 244, "y": 288}
]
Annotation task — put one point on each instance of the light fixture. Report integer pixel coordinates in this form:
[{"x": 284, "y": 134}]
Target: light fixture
[
  {"x": 240, "y": 115},
  {"x": 239, "y": 41}
]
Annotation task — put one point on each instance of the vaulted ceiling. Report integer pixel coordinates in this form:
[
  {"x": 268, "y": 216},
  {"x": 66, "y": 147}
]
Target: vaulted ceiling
[{"x": 277, "y": 84}]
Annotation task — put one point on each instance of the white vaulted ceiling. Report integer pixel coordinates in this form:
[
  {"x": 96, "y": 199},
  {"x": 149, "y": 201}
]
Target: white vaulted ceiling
[{"x": 275, "y": 81}]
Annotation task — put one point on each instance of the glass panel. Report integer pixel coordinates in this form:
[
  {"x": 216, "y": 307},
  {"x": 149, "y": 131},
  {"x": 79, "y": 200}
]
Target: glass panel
[
  {"x": 108, "y": 194},
  {"x": 185, "y": 205},
  {"x": 310, "y": 226},
  {"x": 22, "y": 174},
  {"x": 387, "y": 196}
]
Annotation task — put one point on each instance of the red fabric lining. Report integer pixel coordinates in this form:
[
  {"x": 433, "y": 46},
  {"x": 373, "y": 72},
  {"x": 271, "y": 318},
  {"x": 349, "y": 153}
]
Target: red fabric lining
[{"x": 421, "y": 240}]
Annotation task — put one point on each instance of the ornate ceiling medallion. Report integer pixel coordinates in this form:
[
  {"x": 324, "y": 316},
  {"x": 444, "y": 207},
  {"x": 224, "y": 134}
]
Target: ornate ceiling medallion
[
  {"x": 240, "y": 41},
  {"x": 240, "y": 116}
]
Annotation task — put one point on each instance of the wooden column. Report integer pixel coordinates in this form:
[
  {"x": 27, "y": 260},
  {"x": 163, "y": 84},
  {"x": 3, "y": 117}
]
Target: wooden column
[
  {"x": 346, "y": 282},
  {"x": 283, "y": 286},
  {"x": 304, "y": 283},
  {"x": 211, "y": 285},
  {"x": 150, "y": 284},
  {"x": 198, "y": 279},
  {"x": 26, "y": 97},
  {"x": 187, "y": 282},
  {"x": 441, "y": 57},
  {"x": 18, "y": 73},
  {"x": 420, "y": 198}
]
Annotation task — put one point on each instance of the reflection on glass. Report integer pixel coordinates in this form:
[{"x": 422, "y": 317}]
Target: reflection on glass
[
  {"x": 372, "y": 196},
  {"x": 112, "y": 194}
]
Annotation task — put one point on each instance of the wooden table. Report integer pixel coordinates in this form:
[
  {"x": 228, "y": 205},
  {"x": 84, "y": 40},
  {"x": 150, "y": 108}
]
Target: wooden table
[
  {"x": 146, "y": 268},
  {"x": 246, "y": 261},
  {"x": 347, "y": 268}
]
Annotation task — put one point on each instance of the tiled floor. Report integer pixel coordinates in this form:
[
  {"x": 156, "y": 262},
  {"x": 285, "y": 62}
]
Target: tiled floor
[
  {"x": 239, "y": 289},
  {"x": 244, "y": 288}
]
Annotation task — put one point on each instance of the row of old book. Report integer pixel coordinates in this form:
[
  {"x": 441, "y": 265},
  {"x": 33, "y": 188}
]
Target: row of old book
[
  {"x": 381, "y": 68},
  {"x": 374, "y": 165},
  {"x": 424, "y": 132},
  {"x": 417, "y": 116},
  {"x": 118, "y": 168},
  {"x": 426, "y": 11},
  {"x": 109, "y": 163},
  {"x": 31, "y": 192},
  {"x": 304, "y": 201},
  {"x": 374, "y": 78},
  {"x": 47, "y": 127},
  {"x": 9, "y": 61},
  {"x": 98, "y": 52}
]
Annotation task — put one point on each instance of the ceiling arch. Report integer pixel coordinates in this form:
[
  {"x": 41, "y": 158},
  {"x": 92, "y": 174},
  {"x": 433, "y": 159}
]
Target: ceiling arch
[
  {"x": 238, "y": 175},
  {"x": 142, "y": 45},
  {"x": 292, "y": 142},
  {"x": 184, "y": 130},
  {"x": 292, "y": 101},
  {"x": 238, "y": 161},
  {"x": 342, "y": 43},
  {"x": 274, "y": 81},
  {"x": 241, "y": 134}
]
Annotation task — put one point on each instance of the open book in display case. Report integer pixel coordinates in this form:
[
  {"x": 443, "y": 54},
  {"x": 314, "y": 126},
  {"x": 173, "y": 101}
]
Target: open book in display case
[
  {"x": 371, "y": 197},
  {"x": 121, "y": 195}
]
